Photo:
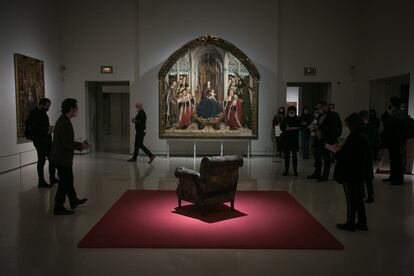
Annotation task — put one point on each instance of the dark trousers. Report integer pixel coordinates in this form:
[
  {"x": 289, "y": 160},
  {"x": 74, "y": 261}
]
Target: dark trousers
[
  {"x": 369, "y": 188},
  {"x": 65, "y": 187},
  {"x": 355, "y": 206},
  {"x": 321, "y": 153},
  {"x": 287, "y": 154},
  {"x": 43, "y": 151},
  {"x": 305, "y": 138},
  {"x": 139, "y": 144},
  {"x": 396, "y": 163}
]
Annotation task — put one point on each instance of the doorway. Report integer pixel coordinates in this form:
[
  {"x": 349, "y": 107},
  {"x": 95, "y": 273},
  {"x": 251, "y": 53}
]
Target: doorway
[
  {"x": 307, "y": 94},
  {"x": 108, "y": 111}
]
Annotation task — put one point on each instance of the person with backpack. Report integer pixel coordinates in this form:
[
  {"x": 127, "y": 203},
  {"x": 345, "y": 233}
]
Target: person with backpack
[{"x": 38, "y": 129}]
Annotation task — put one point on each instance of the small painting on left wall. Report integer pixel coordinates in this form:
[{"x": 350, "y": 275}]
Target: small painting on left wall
[{"x": 30, "y": 88}]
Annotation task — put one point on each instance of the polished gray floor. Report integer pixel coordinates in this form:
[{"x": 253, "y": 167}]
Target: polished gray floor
[{"x": 34, "y": 242}]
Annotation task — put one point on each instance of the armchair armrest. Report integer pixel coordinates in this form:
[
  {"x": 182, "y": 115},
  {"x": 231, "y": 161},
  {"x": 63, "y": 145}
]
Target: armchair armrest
[
  {"x": 188, "y": 182},
  {"x": 184, "y": 172}
]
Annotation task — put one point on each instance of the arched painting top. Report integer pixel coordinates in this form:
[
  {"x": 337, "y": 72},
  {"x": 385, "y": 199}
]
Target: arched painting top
[{"x": 209, "y": 39}]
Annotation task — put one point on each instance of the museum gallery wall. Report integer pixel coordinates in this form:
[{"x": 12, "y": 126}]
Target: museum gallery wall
[
  {"x": 208, "y": 89},
  {"x": 30, "y": 88}
]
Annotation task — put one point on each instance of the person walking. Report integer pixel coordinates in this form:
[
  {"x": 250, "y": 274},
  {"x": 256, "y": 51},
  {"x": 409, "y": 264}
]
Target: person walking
[
  {"x": 63, "y": 147},
  {"x": 140, "y": 121}
]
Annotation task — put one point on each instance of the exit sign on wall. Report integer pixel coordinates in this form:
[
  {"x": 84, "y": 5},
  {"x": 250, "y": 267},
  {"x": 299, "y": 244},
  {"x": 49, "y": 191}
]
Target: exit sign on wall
[{"x": 309, "y": 71}]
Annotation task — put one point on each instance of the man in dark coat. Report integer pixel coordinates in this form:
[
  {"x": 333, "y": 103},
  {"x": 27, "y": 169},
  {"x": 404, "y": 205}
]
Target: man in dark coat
[
  {"x": 63, "y": 147},
  {"x": 394, "y": 139},
  {"x": 41, "y": 135},
  {"x": 328, "y": 129},
  {"x": 140, "y": 121}
]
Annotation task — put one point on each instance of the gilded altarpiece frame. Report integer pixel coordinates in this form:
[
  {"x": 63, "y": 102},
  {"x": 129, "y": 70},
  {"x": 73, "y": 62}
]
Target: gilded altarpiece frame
[{"x": 208, "y": 89}]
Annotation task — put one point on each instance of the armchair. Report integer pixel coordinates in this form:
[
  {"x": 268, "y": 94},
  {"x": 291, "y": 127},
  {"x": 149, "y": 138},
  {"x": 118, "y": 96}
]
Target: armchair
[{"x": 216, "y": 183}]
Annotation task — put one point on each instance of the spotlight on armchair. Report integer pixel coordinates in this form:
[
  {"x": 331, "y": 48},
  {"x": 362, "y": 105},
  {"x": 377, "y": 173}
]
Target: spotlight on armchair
[{"x": 216, "y": 183}]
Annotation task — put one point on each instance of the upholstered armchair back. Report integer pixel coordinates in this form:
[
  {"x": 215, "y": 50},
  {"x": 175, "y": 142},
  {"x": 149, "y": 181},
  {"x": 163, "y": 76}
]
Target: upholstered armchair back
[{"x": 219, "y": 173}]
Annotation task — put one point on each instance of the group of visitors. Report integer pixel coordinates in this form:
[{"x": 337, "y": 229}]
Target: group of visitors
[
  {"x": 59, "y": 150},
  {"x": 354, "y": 159},
  {"x": 324, "y": 126}
]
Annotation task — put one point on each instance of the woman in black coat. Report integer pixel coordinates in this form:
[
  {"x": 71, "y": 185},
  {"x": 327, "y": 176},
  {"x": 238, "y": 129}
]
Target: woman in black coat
[
  {"x": 353, "y": 168},
  {"x": 290, "y": 127}
]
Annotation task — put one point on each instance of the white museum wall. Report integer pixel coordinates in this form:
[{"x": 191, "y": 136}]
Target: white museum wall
[
  {"x": 385, "y": 42},
  {"x": 319, "y": 34},
  {"x": 30, "y": 28},
  {"x": 250, "y": 26},
  {"x": 96, "y": 33}
]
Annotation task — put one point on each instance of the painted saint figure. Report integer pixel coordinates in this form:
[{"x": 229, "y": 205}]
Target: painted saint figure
[
  {"x": 226, "y": 104},
  {"x": 185, "y": 103},
  {"x": 227, "y": 107},
  {"x": 235, "y": 113},
  {"x": 232, "y": 83},
  {"x": 171, "y": 105},
  {"x": 243, "y": 92},
  {"x": 183, "y": 84}
]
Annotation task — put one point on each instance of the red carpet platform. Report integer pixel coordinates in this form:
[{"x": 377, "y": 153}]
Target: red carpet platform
[{"x": 263, "y": 220}]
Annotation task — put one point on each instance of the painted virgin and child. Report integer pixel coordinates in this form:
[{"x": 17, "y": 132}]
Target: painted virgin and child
[{"x": 208, "y": 107}]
